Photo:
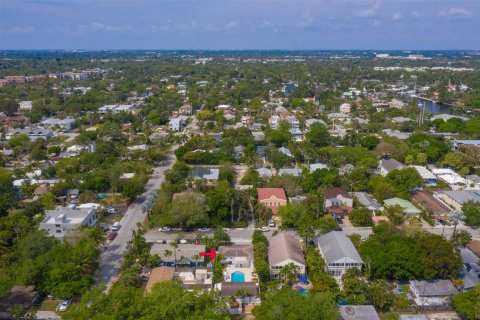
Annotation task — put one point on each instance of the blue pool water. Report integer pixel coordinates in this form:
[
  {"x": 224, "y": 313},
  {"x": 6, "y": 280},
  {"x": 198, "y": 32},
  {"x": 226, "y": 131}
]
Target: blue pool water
[{"x": 238, "y": 276}]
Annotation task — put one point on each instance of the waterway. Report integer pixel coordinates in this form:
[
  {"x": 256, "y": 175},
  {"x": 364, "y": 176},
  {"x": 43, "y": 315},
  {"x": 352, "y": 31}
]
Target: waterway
[{"x": 434, "y": 107}]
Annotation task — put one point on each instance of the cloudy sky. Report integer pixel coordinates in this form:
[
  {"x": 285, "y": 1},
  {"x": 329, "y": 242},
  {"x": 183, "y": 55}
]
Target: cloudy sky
[{"x": 239, "y": 24}]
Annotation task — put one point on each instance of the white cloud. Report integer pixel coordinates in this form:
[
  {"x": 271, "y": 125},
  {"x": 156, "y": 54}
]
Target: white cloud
[
  {"x": 99, "y": 26},
  {"x": 376, "y": 23},
  {"x": 20, "y": 30},
  {"x": 397, "y": 16},
  {"x": 371, "y": 11},
  {"x": 232, "y": 25},
  {"x": 455, "y": 12},
  {"x": 416, "y": 14}
]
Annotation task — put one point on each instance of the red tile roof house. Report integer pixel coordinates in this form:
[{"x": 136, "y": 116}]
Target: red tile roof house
[
  {"x": 272, "y": 198},
  {"x": 338, "y": 201},
  {"x": 185, "y": 110}
]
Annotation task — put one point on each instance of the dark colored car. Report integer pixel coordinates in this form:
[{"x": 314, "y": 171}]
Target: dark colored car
[{"x": 111, "y": 235}]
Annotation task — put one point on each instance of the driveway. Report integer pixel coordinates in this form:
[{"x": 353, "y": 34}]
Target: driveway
[{"x": 111, "y": 256}]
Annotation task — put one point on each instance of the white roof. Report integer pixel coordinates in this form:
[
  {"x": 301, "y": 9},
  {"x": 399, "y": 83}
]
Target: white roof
[{"x": 424, "y": 172}]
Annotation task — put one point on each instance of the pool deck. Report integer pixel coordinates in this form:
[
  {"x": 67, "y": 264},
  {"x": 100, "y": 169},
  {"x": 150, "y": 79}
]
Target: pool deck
[{"x": 246, "y": 271}]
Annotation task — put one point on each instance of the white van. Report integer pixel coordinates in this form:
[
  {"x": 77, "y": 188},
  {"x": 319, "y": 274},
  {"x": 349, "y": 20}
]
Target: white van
[{"x": 116, "y": 226}]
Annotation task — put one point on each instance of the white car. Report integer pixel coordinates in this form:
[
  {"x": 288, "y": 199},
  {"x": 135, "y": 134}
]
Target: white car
[
  {"x": 165, "y": 229},
  {"x": 64, "y": 305},
  {"x": 263, "y": 229},
  {"x": 205, "y": 230}
]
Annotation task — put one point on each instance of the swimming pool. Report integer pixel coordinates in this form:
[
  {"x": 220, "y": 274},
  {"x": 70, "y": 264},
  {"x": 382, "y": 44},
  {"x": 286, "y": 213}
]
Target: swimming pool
[
  {"x": 302, "y": 291},
  {"x": 238, "y": 276}
]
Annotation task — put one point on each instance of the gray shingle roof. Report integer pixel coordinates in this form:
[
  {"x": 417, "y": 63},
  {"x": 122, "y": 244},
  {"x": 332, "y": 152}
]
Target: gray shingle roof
[
  {"x": 284, "y": 247},
  {"x": 391, "y": 164},
  {"x": 335, "y": 245},
  {"x": 358, "y": 312},
  {"x": 434, "y": 288}
]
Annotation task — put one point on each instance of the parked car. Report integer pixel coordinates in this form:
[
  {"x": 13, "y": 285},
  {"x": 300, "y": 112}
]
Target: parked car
[
  {"x": 271, "y": 223},
  {"x": 112, "y": 235},
  {"x": 116, "y": 226},
  {"x": 64, "y": 305},
  {"x": 112, "y": 210},
  {"x": 183, "y": 241},
  {"x": 205, "y": 230},
  {"x": 264, "y": 229},
  {"x": 165, "y": 229}
]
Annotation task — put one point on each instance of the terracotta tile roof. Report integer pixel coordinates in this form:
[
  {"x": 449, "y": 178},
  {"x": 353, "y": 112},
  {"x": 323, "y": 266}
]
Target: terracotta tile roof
[
  {"x": 266, "y": 193},
  {"x": 334, "y": 192},
  {"x": 474, "y": 245}
]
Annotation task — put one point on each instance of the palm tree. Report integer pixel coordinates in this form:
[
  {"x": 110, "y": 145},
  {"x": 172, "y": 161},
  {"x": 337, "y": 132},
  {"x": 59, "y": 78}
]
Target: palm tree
[
  {"x": 174, "y": 245},
  {"x": 288, "y": 273},
  {"x": 196, "y": 257}
]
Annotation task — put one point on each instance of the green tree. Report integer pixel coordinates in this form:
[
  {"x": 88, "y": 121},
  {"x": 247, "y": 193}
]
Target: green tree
[
  {"x": 287, "y": 304},
  {"x": 361, "y": 217},
  {"x": 471, "y": 210},
  {"x": 467, "y": 303},
  {"x": 318, "y": 135}
]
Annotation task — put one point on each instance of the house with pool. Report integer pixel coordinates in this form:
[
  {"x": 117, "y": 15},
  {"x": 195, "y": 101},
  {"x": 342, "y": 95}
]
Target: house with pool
[
  {"x": 238, "y": 260},
  {"x": 284, "y": 249}
]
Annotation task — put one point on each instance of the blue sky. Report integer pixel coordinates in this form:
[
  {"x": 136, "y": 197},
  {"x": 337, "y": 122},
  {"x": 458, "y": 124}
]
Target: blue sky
[{"x": 240, "y": 24}]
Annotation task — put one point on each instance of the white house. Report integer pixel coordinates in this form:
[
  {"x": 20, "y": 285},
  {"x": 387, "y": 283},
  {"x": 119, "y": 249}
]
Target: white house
[
  {"x": 284, "y": 249},
  {"x": 345, "y": 108},
  {"x": 176, "y": 124},
  {"x": 32, "y": 133},
  {"x": 25, "y": 105},
  {"x": 386, "y": 166},
  {"x": 339, "y": 253},
  {"x": 59, "y": 221},
  {"x": 432, "y": 292}
]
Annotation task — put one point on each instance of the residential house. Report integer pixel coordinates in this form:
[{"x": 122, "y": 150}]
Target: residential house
[
  {"x": 176, "y": 124},
  {"x": 258, "y": 136},
  {"x": 432, "y": 292},
  {"x": 395, "y": 103},
  {"x": 264, "y": 172},
  {"x": 284, "y": 249},
  {"x": 454, "y": 180},
  {"x": 473, "y": 181},
  {"x": 317, "y": 166},
  {"x": 310, "y": 122},
  {"x": 25, "y": 105},
  {"x": 64, "y": 124},
  {"x": 238, "y": 262},
  {"x": 24, "y": 296},
  {"x": 385, "y": 166},
  {"x": 296, "y": 133},
  {"x": 339, "y": 253},
  {"x": 470, "y": 273},
  {"x": 407, "y": 206},
  {"x": 338, "y": 201},
  {"x": 60, "y": 221},
  {"x": 456, "y": 199},
  {"x": 186, "y": 254},
  {"x": 286, "y": 152},
  {"x": 368, "y": 202},
  {"x": 340, "y": 117},
  {"x": 32, "y": 133},
  {"x": 296, "y": 172},
  {"x": 428, "y": 177},
  {"x": 457, "y": 144},
  {"x": 185, "y": 110},
  {"x": 437, "y": 208},
  {"x": 396, "y": 134},
  {"x": 210, "y": 175},
  {"x": 272, "y": 198},
  {"x": 250, "y": 294},
  {"x": 400, "y": 119},
  {"x": 358, "y": 312}
]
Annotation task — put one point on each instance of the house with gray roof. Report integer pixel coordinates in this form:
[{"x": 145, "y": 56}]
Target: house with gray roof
[
  {"x": 296, "y": 172},
  {"x": 317, "y": 166},
  {"x": 339, "y": 253},
  {"x": 202, "y": 173},
  {"x": 264, "y": 172},
  {"x": 432, "y": 292},
  {"x": 470, "y": 273},
  {"x": 368, "y": 202},
  {"x": 396, "y": 134},
  {"x": 385, "y": 166},
  {"x": 456, "y": 198},
  {"x": 358, "y": 312},
  {"x": 284, "y": 249},
  {"x": 286, "y": 152}
]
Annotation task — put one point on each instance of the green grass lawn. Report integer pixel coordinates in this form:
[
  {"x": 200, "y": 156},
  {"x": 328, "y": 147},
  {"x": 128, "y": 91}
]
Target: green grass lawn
[{"x": 49, "y": 305}]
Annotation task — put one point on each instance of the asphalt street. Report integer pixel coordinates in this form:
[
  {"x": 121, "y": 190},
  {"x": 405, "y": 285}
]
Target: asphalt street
[{"x": 111, "y": 256}]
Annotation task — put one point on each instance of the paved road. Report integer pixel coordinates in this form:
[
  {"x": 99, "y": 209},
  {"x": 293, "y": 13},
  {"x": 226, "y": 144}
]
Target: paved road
[{"x": 111, "y": 257}]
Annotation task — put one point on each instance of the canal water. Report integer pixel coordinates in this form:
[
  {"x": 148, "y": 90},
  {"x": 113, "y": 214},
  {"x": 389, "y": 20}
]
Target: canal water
[{"x": 433, "y": 107}]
